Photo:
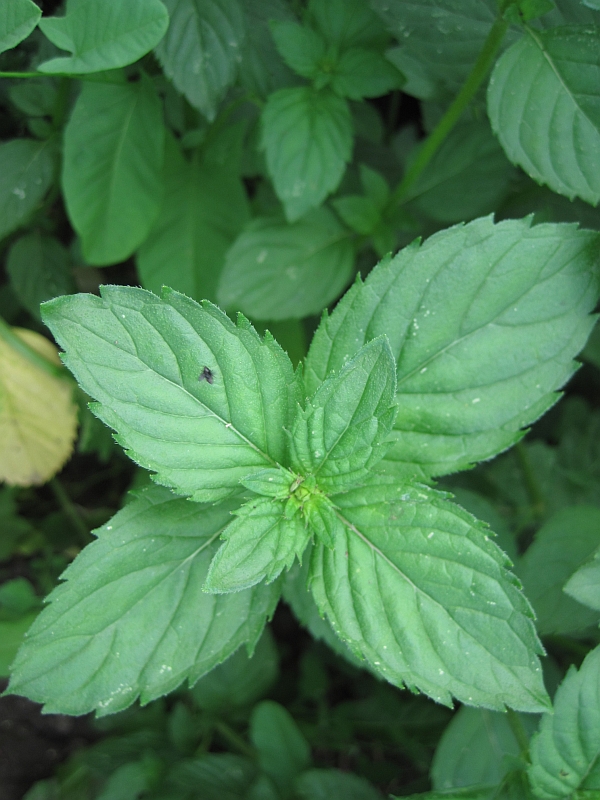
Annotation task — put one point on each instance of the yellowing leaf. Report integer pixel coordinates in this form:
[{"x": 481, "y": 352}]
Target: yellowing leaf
[{"x": 38, "y": 419}]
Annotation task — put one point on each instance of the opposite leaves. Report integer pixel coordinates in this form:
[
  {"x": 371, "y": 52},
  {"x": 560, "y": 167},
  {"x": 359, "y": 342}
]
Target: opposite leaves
[
  {"x": 132, "y": 618},
  {"x": 201, "y": 401}
]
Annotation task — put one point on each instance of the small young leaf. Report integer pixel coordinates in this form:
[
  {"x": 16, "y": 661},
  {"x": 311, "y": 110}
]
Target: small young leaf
[
  {"x": 343, "y": 430},
  {"x": 324, "y": 521},
  {"x": 543, "y": 101},
  {"x": 259, "y": 544},
  {"x": 145, "y": 359},
  {"x": 484, "y": 321},
  {"x": 584, "y": 584},
  {"x": 565, "y": 754},
  {"x": 417, "y": 588},
  {"x": 300, "y": 46},
  {"x": 307, "y": 136},
  {"x": 39, "y": 268},
  {"x": 327, "y": 784},
  {"x": 112, "y": 176},
  {"x": 131, "y": 619},
  {"x": 104, "y": 35},
  {"x": 362, "y": 73},
  {"x": 204, "y": 208},
  {"x": 270, "y": 483},
  {"x": 276, "y": 271},
  {"x": 200, "y": 51},
  {"x": 561, "y": 546},
  {"x": 347, "y": 23},
  {"x": 26, "y": 172},
  {"x": 283, "y": 752},
  {"x": 38, "y": 418},
  {"x": 17, "y": 19}
]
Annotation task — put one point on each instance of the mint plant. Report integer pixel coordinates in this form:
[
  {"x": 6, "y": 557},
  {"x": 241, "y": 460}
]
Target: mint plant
[{"x": 227, "y": 157}]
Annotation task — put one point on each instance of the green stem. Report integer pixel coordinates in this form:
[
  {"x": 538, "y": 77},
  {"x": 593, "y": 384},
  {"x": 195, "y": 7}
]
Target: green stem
[
  {"x": 234, "y": 739},
  {"x": 536, "y": 496},
  {"x": 14, "y": 341},
  {"x": 61, "y": 103},
  {"x": 519, "y": 732},
  {"x": 461, "y": 101},
  {"x": 69, "y": 509}
]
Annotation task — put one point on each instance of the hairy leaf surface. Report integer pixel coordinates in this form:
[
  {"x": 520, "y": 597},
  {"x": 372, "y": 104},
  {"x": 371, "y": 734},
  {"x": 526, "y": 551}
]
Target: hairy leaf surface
[
  {"x": 484, "y": 320},
  {"x": 104, "y": 35},
  {"x": 112, "y": 177},
  {"x": 17, "y": 19},
  {"x": 259, "y": 544},
  {"x": 276, "y": 271},
  {"x": 544, "y": 105},
  {"x": 201, "y": 401},
  {"x": 200, "y": 51},
  {"x": 418, "y": 589},
  {"x": 565, "y": 755},
  {"x": 307, "y": 136},
  {"x": 342, "y": 432},
  {"x": 131, "y": 620}
]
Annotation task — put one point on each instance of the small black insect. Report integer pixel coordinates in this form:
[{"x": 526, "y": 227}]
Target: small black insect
[{"x": 206, "y": 375}]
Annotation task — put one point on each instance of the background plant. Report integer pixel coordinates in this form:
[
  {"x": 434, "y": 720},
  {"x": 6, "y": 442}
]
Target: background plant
[{"x": 230, "y": 150}]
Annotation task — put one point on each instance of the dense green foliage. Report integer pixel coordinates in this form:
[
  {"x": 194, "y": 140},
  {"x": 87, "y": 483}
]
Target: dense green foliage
[{"x": 250, "y": 154}]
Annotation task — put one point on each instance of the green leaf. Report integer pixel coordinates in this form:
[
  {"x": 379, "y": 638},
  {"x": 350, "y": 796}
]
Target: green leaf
[
  {"x": 358, "y": 212},
  {"x": 132, "y": 619},
  {"x": 331, "y": 784},
  {"x": 204, "y": 209},
  {"x": 12, "y": 635},
  {"x": 26, "y": 172},
  {"x": 112, "y": 167},
  {"x": 565, "y": 754},
  {"x": 417, "y": 588},
  {"x": 478, "y": 747},
  {"x": 347, "y": 23},
  {"x": 17, "y": 19},
  {"x": 259, "y": 544},
  {"x": 307, "y": 137},
  {"x": 214, "y": 776},
  {"x": 145, "y": 359},
  {"x": 472, "y": 793},
  {"x": 262, "y": 70},
  {"x": 240, "y": 680},
  {"x": 584, "y": 584},
  {"x": 34, "y": 97},
  {"x": 14, "y": 527},
  {"x": 276, "y": 271},
  {"x": 324, "y": 521},
  {"x": 39, "y": 268},
  {"x": 104, "y": 35},
  {"x": 561, "y": 546},
  {"x": 543, "y": 102},
  {"x": 17, "y": 597},
  {"x": 300, "y": 46},
  {"x": 362, "y": 73},
  {"x": 283, "y": 752},
  {"x": 200, "y": 51},
  {"x": 467, "y": 177},
  {"x": 484, "y": 321},
  {"x": 342, "y": 433}
]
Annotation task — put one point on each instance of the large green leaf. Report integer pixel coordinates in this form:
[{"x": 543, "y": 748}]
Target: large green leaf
[
  {"x": 562, "y": 545},
  {"x": 204, "y": 208},
  {"x": 484, "y": 321},
  {"x": 193, "y": 396},
  {"x": 201, "y": 50},
  {"x": 544, "y": 104},
  {"x": 104, "y": 35},
  {"x": 307, "y": 136},
  {"x": 112, "y": 167},
  {"x": 276, "y": 271},
  {"x": 26, "y": 172},
  {"x": 342, "y": 432},
  {"x": 131, "y": 619},
  {"x": 417, "y": 588},
  {"x": 259, "y": 544},
  {"x": 565, "y": 755},
  {"x": 17, "y": 19},
  {"x": 39, "y": 268}
]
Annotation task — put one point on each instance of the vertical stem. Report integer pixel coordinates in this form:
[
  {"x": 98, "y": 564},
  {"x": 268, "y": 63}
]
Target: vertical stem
[
  {"x": 536, "y": 496},
  {"x": 454, "y": 112},
  {"x": 519, "y": 732}
]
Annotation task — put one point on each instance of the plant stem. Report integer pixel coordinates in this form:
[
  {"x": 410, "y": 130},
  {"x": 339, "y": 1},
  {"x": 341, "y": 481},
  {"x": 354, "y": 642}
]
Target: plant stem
[
  {"x": 519, "y": 732},
  {"x": 14, "y": 341},
  {"x": 69, "y": 509},
  {"x": 234, "y": 739},
  {"x": 454, "y": 112},
  {"x": 536, "y": 496}
]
